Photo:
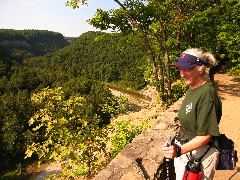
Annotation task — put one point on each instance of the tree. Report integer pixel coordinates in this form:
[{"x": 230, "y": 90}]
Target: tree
[
  {"x": 63, "y": 132},
  {"x": 72, "y": 128},
  {"x": 15, "y": 110},
  {"x": 134, "y": 12},
  {"x": 166, "y": 28},
  {"x": 229, "y": 35}
]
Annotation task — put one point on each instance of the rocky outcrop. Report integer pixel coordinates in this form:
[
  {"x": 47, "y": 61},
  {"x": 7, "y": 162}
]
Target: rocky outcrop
[{"x": 143, "y": 157}]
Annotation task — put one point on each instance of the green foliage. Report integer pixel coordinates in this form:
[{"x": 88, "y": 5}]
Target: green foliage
[
  {"x": 123, "y": 134},
  {"x": 101, "y": 57},
  {"x": 75, "y": 4},
  {"x": 37, "y": 42},
  {"x": 18, "y": 45},
  {"x": 178, "y": 25},
  {"x": 66, "y": 135},
  {"x": 14, "y": 174},
  {"x": 179, "y": 89},
  {"x": 15, "y": 110},
  {"x": 229, "y": 35},
  {"x": 72, "y": 130},
  {"x": 234, "y": 67}
]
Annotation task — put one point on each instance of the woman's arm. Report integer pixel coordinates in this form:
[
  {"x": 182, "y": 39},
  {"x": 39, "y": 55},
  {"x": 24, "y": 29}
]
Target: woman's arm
[
  {"x": 198, "y": 141},
  {"x": 195, "y": 143}
]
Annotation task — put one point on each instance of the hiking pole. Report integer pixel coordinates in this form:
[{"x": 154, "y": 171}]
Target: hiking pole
[{"x": 169, "y": 143}]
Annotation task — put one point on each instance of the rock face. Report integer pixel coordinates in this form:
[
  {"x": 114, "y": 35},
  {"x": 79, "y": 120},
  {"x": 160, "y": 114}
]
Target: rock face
[{"x": 143, "y": 158}]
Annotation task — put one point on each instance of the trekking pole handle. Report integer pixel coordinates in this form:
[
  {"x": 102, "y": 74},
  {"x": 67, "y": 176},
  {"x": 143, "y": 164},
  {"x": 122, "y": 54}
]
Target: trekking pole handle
[{"x": 169, "y": 143}]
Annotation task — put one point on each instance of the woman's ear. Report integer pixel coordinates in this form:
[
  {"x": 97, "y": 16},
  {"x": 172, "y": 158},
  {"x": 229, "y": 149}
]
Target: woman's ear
[{"x": 201, "y": 68}]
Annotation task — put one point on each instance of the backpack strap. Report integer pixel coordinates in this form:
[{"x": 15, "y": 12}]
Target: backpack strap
[
  {"x": 204, "y": 154},
  {"x": 192, "y": 135},
  {"x": 185, "y": 131}
]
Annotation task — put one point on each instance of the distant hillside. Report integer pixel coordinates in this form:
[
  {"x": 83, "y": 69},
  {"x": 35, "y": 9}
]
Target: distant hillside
[
  {"x": 105, "y": 57},
  {"x": 36, "y": 42},
  {"x": 70, "y": 39}
]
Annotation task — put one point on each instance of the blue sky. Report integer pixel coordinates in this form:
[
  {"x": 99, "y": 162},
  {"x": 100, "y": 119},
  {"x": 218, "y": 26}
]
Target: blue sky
[{"x": 50, "y": 15}]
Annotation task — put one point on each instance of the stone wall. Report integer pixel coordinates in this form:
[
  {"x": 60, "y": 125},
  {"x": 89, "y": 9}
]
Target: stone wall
[{"x": 143, "y": 158}]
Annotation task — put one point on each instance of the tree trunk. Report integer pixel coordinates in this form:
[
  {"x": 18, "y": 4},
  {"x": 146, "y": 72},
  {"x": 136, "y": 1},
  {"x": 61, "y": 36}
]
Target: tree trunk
[
  {"x": 161, "y": 75},
  {"x": 138, "y": 28},
  {"x": 165, "y": 51}
]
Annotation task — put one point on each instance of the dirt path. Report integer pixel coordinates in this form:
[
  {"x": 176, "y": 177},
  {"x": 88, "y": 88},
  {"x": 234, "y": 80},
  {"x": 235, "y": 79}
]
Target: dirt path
[{"x": 229, "y": 92}]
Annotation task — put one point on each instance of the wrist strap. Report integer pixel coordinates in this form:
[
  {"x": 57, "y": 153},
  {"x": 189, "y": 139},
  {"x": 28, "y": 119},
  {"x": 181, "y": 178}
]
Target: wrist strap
[{"x": 178, "y": 150}]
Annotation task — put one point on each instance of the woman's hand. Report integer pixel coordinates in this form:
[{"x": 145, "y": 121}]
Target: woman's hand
[{"x": 169, "y": 151}]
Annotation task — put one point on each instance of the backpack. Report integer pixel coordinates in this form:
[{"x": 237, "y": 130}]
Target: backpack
[{"x": 227, "y": 153}]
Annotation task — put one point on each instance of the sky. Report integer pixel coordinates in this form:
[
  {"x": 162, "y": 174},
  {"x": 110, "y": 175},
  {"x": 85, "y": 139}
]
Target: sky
[{"x": 51, "y": 15}]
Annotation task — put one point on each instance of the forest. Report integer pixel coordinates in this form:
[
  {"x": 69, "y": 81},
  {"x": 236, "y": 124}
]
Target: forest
[
  {"x": 80, "y": 68},
  {"x": 55, "y": 104}
]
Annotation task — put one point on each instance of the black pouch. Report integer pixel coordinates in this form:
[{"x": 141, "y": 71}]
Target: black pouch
[
  {"x": 193, "y": 165},
  {"x": 227, "y": 153}
]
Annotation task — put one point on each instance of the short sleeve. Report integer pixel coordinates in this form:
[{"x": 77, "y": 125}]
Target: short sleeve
[{"x": 207, "y": 119}]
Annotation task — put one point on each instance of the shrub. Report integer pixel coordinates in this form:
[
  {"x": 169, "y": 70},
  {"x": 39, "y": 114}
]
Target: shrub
[{"x": 124, "y": 133}]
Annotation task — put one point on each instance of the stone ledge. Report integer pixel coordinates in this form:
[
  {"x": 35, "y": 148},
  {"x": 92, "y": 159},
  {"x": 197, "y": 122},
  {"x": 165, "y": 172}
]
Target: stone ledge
[{"x": 141, "y": 159}]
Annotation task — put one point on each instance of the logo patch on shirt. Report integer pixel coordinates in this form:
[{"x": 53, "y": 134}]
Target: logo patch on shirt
[{"x": 188, "y": 108}]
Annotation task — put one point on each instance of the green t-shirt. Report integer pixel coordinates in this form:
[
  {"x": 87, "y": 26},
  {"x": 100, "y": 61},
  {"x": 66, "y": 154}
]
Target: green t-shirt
[{"x": 201, "y": 111}]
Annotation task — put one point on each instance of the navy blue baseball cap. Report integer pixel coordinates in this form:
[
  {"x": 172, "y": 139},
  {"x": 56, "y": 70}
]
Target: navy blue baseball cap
[{"x": 187, "y": 61}]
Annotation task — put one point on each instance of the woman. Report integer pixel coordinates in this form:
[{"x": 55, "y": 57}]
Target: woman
[{"x": 199, "y": 115}]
